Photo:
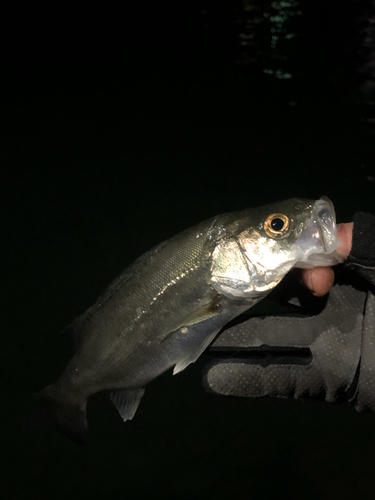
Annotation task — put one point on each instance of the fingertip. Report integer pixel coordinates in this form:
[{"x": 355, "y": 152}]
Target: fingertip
[
  {"x": 319, "y": 280},
  {"x": 345, "y": 235}
]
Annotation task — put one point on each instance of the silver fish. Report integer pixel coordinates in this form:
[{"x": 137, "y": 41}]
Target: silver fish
[{"x": 168, "y": 306}]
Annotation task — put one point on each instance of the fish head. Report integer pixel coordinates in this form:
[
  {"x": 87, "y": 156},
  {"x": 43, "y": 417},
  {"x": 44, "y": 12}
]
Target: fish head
[{"x": 263, "y": 244}]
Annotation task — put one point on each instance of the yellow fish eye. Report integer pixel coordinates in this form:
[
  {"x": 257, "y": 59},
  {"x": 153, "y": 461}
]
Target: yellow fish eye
[{"x": 276, "y": 225}]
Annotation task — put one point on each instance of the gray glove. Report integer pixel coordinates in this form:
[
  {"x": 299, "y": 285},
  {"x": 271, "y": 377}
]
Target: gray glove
[{"x": 324, "y": 349}]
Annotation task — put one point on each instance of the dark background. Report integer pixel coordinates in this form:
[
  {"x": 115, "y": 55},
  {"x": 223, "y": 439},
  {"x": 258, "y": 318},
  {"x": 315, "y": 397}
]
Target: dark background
[{"x": 120, "y": 128}]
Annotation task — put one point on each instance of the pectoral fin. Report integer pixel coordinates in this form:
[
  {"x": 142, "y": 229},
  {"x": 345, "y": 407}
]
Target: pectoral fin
[
  {"x": 193, "y": 354},
  {"x": 201, "y": 324},
  {"x": 204, "y": 313},
  {"x": 126, "y": 402}
]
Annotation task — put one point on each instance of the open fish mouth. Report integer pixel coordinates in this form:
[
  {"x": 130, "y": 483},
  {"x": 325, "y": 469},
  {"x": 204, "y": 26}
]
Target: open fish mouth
[{"x": 318, "y": 242}]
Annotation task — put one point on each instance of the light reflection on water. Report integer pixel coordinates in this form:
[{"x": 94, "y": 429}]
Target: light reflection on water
[
  {"x": 270, "y": 38},
  {"x": 303, "y": 52},
  {"x": 268, "y": 35}
]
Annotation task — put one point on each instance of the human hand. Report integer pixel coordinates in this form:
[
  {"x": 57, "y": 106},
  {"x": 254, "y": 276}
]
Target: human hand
[{"x": 325, "y": 348}]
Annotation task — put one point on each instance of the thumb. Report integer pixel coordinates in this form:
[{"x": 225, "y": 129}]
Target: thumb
[{"x": 345, "y": 235}]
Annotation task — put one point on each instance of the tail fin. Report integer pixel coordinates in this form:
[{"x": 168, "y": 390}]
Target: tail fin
[{"x": 70, "y": 418}]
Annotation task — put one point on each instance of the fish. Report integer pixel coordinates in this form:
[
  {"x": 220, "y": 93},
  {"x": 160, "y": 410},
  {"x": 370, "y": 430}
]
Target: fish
[{"x": 166, "y": 308}]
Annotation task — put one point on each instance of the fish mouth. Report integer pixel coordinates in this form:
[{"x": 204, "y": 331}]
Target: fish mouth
[{"x": 318, "y": 242}]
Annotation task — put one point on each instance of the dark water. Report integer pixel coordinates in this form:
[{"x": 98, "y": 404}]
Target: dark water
[{"x": 120, "y": 129}]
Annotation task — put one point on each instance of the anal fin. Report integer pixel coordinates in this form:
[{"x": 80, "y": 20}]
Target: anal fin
[{"x": 126, "y": 401}]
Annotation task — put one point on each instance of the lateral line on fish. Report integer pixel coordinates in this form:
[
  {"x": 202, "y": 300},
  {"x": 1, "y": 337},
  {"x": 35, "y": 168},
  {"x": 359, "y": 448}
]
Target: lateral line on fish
[{"x": 172, "y": 282}]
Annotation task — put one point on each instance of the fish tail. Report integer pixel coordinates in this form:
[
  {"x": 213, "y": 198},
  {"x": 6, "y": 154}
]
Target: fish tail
[{"x": 70, "y": 418}]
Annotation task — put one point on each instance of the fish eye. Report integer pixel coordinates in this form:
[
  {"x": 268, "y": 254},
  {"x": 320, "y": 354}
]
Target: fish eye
[{"x": 276, "y": 225}]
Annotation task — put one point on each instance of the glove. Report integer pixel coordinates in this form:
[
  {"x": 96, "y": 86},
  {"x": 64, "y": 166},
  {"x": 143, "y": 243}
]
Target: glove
[{"x": 323, "y": 348}]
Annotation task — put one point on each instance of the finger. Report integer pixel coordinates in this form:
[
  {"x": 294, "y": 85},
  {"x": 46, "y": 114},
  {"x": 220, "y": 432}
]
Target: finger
[
  {"x": 319, "y": 280},
  {"x": 283, "y": 331},
  {"x": 345, "y": 235},
  {"x": 301, "y": 331},
  {"x": 243, "y": 379}
]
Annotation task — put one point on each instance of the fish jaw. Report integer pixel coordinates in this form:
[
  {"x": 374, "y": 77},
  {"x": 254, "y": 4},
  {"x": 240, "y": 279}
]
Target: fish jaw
[{"x": 318, "y": 243}]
